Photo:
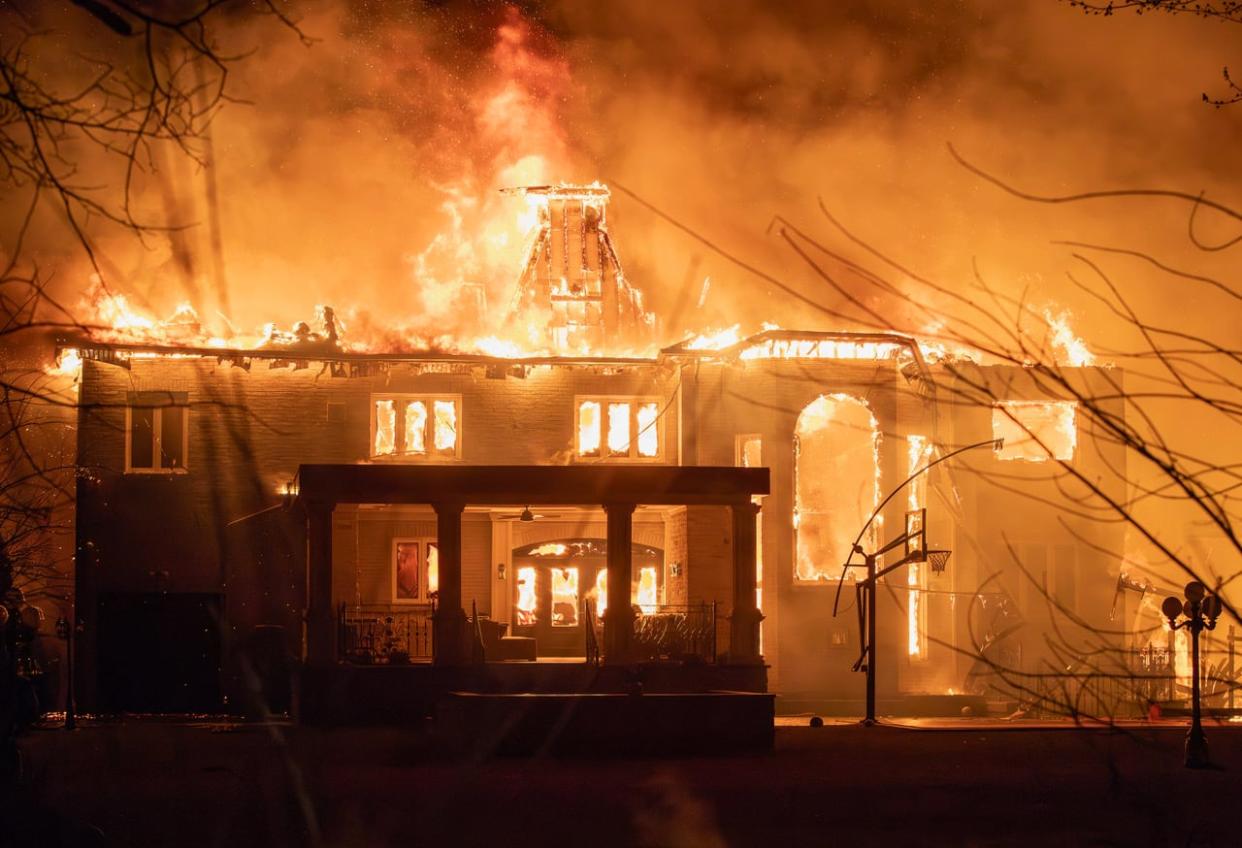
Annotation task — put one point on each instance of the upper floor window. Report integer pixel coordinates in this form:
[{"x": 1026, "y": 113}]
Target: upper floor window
[
  {"x": 618, "y": 428},
  {"x": 416, "y": 426},
  {"x": 157, "y": 432},
  {"x": 1035, "y": 430}
]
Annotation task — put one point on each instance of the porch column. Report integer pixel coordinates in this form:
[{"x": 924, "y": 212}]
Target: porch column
[
  {"x": 450, "y": 622},
  {"x": 320, "y": 617},
  {"x": 619, "y": 616},
  {"x": 744, "y": 623}
]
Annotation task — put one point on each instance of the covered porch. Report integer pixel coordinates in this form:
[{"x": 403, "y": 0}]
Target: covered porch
[{"x": 617, "y": 566}]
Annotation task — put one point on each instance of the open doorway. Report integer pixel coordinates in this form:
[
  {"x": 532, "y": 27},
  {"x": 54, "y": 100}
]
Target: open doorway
[{"x": 561, "y": 588}]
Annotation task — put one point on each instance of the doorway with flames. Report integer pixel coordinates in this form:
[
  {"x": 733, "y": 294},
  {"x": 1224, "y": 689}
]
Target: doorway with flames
[
  {"x": 553, "y": 594},
  {"x": 561, "y": 593}
]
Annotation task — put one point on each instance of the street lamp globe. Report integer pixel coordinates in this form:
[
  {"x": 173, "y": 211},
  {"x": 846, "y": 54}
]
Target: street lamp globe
[{"x": 1172, "y": 607}]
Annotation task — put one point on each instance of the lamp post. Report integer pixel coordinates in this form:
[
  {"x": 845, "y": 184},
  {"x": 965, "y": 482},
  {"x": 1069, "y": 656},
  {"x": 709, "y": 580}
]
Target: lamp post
[{"x": 1201, "y": 611}]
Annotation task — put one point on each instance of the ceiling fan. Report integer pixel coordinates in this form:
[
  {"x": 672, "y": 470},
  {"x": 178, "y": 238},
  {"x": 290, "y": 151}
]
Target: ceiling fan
[{"x": 526, "y": 515}]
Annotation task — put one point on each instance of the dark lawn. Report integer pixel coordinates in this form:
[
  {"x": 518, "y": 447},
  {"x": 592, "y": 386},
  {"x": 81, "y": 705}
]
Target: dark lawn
[{"x": 155, "y": 783}]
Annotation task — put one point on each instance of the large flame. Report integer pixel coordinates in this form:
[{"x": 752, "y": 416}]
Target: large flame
[{"x": 1070, "y": 349}]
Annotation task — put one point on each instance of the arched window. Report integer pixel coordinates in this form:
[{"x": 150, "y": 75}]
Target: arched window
[{"x": 837, "y": 483}]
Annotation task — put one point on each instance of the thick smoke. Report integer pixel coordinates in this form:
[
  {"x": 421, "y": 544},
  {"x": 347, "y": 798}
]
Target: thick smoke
[{"x": 363, "y": 172}]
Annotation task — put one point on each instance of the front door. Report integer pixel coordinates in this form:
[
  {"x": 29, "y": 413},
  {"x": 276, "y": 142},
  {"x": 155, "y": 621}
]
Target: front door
[{"x": 550, "y": 602}]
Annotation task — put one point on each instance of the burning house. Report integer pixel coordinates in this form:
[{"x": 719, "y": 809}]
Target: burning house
[{"x": 393, "y": 524}]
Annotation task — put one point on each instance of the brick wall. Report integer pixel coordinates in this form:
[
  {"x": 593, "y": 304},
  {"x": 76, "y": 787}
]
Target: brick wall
[{"x": 221, "y": 527}]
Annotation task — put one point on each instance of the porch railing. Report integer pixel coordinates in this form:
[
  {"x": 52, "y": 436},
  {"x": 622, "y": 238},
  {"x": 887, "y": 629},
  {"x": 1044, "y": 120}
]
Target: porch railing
[
  {"x": 674, "y": 632},
  {"x": 385, "y": 634},
  {"x": 1123, "y": 683},
  {"x": 684, "y": 632}
]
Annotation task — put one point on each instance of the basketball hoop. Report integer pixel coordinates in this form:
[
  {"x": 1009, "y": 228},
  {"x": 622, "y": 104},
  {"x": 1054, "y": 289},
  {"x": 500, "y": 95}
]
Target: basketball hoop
[{"x": 938, "y": 560}]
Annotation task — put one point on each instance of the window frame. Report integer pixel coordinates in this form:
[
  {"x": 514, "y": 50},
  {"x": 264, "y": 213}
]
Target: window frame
[
  {"x": 401, "y": 400},
  {"x": 157, "y": 422},
  {"x": 424, "y": 589},
  {"x": 1002, "y": 406},
  {"x": 635, "y": 401}
]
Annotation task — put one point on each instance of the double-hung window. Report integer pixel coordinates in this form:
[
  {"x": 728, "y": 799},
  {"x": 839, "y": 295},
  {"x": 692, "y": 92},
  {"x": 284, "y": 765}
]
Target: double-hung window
[
  {"x": 415, "y": 426},
  {"x": 157, "y": 433},
  {"x": 618, "y": 429}
]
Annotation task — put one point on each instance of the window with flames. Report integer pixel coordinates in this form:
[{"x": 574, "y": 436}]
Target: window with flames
[
  {"x": 416, "y": 427},
  {"x": 415, "y": 570},
  {"x": 618, "y": 429},
  {"x": 1035, "y": 431}
]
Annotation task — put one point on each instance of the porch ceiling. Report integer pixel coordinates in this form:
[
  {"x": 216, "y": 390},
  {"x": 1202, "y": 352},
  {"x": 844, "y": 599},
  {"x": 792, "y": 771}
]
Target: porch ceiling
[{"x": 531, "y": 484}]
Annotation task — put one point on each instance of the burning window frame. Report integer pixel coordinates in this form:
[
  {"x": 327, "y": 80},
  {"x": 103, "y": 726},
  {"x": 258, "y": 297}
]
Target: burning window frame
[
  {"x": 526, "y": 596},
  {"x": 426, "y": 544},
  {"x": 1024, "y": 424},
  {"x": 637, "y": 429},
  {"x": 157, "y": 403},
  {"x": 919, "y": 452},
  {"x": 832, "y": 576},
  {"x": 432, "y": 450}
]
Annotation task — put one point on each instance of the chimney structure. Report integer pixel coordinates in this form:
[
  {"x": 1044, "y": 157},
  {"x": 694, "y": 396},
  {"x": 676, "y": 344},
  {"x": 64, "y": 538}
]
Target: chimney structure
[{"x": 573, "y": 275}]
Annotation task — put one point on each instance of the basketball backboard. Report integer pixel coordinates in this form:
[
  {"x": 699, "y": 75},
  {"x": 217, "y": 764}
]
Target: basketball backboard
[{"x": 916, "y": 534}]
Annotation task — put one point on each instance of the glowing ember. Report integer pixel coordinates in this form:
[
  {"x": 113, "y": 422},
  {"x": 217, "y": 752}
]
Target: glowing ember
[
  {"x": 526, "y": 599},
  {"x": 433, "y": 568},
  {"x": 1035, "y": 430}
]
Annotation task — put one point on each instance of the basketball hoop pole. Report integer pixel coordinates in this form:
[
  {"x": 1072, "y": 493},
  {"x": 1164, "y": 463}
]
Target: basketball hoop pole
[{"x": 869, "y": 586}]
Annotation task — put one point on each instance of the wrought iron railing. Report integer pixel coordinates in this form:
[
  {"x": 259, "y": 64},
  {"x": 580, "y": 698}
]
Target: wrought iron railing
[
  {"x": 379, "y": 634},
  {"x": 593, "y": 631},
  {"x": 684, "y": 632},
  {"x": 1121, "y": 683}
]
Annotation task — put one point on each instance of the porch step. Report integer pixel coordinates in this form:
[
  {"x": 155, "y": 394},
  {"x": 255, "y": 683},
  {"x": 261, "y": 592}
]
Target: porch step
[{"x": 514, "y": 648}]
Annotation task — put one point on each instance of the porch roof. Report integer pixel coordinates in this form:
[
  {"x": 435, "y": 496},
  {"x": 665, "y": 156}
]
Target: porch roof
[{"x": 531, "y": 484}]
